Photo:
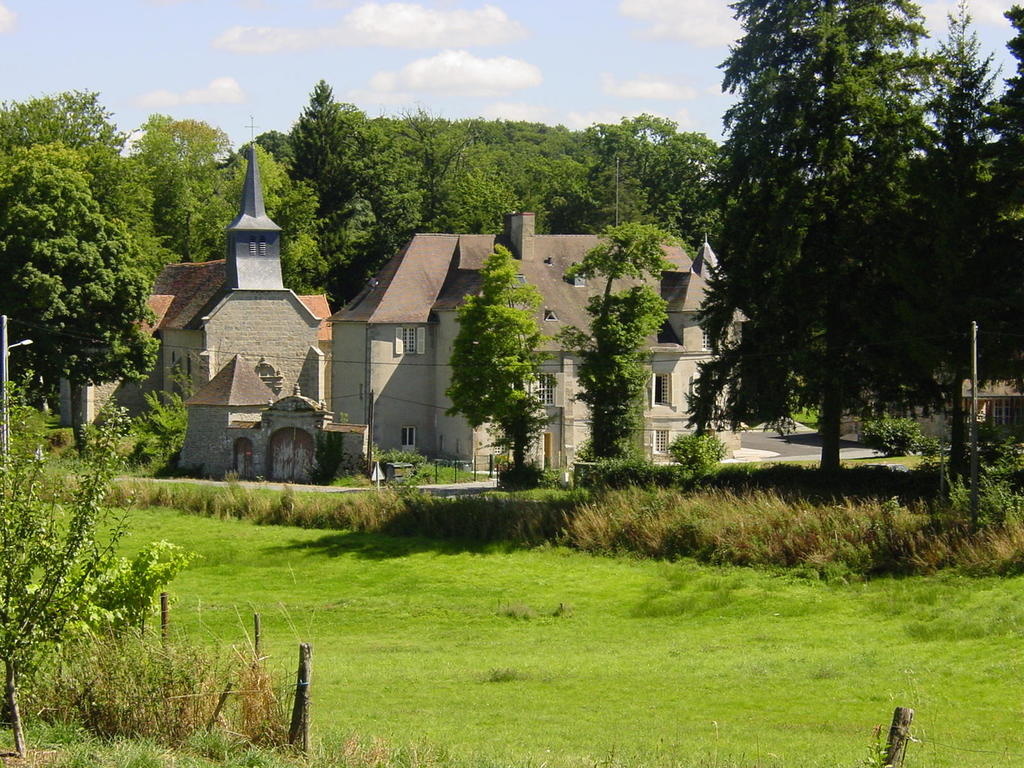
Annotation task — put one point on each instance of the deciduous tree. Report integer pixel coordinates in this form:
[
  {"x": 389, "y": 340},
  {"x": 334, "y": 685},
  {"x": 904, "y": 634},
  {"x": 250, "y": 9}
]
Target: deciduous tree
[
  {"x": 495, "y": 359},
  {"x": 612, "y": 372}
]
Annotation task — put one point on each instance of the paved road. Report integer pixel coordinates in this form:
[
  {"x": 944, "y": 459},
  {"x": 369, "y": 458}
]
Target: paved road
[{"x": 804, "y": 445}]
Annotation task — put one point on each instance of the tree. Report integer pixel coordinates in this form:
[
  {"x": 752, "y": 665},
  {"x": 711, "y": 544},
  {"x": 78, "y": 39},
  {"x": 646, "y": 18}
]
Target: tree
[
  {"x": 664, "y": 177},
  {"x": 181, "y": 161},
  {"x": 54, "y": 557},
  {"x": 612, "y": 371},
  {"x": 70, "y": 273},
  {"x": 819, "y": 142},
  {"x": 495, "y": 362},
  {"x": 954, "y": 226}
]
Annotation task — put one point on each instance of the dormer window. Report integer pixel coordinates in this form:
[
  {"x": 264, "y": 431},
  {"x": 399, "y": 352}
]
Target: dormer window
[
  {"x": 521, "y": 279},
  {"x": 549, "y": 315},
  {"x": 579, "y": 282}
]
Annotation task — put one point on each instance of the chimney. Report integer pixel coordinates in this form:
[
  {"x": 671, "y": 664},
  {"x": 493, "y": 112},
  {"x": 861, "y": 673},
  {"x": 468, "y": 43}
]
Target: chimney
[{"x": 519, "y": 231}]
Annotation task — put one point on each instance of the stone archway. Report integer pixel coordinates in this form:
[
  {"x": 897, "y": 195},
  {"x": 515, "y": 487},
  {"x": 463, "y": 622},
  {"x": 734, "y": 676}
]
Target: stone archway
[
  {"x": 242, "y": 461},
  {"x": 290, "y": 456}
]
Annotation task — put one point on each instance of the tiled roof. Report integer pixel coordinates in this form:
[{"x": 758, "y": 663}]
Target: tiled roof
[
  {"x": 190, "y": 288},
  {"x": 684, "y": 291},
  {"x": 322, "y": 310},
  {"x": 236, "y": 384}
]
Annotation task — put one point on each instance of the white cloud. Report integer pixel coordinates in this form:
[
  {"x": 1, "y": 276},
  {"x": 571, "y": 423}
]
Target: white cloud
[
  {"x": 507, "y": 110},
  {"x": 222, "y": 90},
  {"x": 7, "y": 18},
  {"x": 460, "y": 73},
  {"x": 984, "y": 12},
  {"x": 580, "y": 120},
  {"x": 645, "y": 87},
  {"x": 393, "y": 25},
  {"x": 704, "y": 23}
]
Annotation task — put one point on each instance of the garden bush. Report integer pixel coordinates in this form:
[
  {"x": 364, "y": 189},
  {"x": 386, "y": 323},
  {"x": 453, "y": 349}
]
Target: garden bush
[
  {"x": 893, "y": 437},
  {"x": 697, "y": 454}
]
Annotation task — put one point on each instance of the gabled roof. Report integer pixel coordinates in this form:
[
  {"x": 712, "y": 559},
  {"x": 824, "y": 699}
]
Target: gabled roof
[
  {"x": 236, "y": 384},
  {"x": 190, "y": 288},
  {"x": 406, "y": 287}
]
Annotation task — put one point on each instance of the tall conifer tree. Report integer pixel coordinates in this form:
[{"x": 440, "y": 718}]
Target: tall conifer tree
[{"x": 818, "y": 144}]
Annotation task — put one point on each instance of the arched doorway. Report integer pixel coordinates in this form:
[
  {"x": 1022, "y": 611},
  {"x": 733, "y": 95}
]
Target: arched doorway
[
  {"x": 242, "y": 463},
  {"x": 291, "y": 455}
]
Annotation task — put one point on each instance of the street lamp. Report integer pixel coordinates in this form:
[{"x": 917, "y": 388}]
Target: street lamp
[{"x": 5, "y": 350}]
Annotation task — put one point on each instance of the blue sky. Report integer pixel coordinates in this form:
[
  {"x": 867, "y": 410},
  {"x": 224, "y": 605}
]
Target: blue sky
[{"x": 572, "y": 62}]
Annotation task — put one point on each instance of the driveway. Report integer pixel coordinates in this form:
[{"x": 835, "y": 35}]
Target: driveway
[{"x": 802, "y": 445}]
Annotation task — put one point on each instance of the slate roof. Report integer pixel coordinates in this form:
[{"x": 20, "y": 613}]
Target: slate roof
[
  {"x": 252, "y": 215},
  {"x": 235, "y": 384},
  {"x": 436, "y": 272}
]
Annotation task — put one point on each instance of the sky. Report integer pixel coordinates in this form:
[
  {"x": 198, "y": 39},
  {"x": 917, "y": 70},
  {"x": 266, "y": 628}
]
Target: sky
[{"x": 238, "y": 63}]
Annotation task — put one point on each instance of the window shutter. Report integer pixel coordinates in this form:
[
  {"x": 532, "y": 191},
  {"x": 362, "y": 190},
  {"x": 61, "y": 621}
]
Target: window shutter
[
  {"x": 560, "y": 390},
  {"x": 399, "y": 345},
  {"x": 421, "y": 340},
  {"x": 650, "y": 390},
  {"x": 668, "y": 390}
]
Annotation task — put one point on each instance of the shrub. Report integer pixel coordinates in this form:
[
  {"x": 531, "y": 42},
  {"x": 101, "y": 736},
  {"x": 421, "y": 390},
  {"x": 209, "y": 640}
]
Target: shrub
[
  {"x": 160, "y": 432},
  {"x": 527, "y": 476},
  {"x": 697, "y": 454},
  {"x": 625, "y": 473},
  {"x": 893, "y": 437}
]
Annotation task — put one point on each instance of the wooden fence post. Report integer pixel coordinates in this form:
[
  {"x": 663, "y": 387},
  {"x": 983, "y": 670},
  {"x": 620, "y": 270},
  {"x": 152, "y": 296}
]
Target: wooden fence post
[
  {"x": 257, "y": 635},
  {"x": 164, "y": 617},
  {"x": 899, "y": 735},
  {"x": 300, "y": 712}
]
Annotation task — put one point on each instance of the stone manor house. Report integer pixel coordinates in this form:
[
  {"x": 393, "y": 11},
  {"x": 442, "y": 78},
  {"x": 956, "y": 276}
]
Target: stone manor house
[{"x": 266, "y": 364}]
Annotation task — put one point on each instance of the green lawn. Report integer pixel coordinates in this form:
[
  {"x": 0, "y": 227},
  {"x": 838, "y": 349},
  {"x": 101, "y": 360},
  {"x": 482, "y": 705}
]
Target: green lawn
[{"x": 420, "y": 641}]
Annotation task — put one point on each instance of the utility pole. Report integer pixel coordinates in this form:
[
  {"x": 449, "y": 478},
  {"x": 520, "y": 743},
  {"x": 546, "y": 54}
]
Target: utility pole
[
  {"x": 5, "y": 352},
  {"x": 974, "y": 425}
]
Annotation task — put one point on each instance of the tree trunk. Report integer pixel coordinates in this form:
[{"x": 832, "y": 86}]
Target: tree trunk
[
  {"x": 11, "y": 698},
  {"x": 831, "y": 416}
]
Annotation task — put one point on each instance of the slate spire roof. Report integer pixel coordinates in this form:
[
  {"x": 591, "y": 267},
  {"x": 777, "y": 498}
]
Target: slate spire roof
[
  {"x": 706, "y": 261},
  {"x": 236, "y": 384},
  {"x": 252, "y": 215}
]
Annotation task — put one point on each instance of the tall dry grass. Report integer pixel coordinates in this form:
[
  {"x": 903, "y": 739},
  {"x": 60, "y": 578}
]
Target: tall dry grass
[
  {"x": 118, "y": 686},
  {"x": 756, "y": 527}
]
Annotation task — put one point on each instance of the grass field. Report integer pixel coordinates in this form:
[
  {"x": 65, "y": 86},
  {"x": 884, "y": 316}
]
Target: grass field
[{"x": 465, "y": 648}]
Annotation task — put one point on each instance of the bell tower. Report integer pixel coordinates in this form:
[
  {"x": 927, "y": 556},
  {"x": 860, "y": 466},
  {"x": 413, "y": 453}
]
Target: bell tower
[{"x": 254, "y": 241}]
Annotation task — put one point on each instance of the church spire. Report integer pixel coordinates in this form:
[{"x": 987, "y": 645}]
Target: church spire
[{"x": 254, "y": 241}]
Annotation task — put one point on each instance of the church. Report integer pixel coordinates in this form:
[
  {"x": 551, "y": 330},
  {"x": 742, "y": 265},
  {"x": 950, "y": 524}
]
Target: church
[{"x": 208, "y": 314}]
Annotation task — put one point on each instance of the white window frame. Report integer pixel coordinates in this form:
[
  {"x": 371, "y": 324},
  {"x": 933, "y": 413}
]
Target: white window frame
[
  {"x": 410, "y": 340},
  {"x": 546, "y": 386},
  {"x": 408, "y": 432},
  {"x": 705, "y": 340},
  {"x": 661, "y": 440}
]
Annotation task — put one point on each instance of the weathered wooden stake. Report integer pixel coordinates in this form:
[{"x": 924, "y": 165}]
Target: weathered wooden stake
[
  {"x": 257, "y": 635},
  {"x": 899, "y": 735},
  {"x": 163, "y": 615},
  {"x": 300, "y": 712},
  {"x": 220, "y": 705}
]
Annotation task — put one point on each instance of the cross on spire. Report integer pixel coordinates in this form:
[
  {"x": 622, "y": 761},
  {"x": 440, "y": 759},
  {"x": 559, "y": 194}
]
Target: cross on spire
[{"x": 252, "y": 128}]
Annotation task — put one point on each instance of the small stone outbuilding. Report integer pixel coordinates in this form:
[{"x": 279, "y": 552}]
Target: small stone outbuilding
[{"x": 236, "y": 424}]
